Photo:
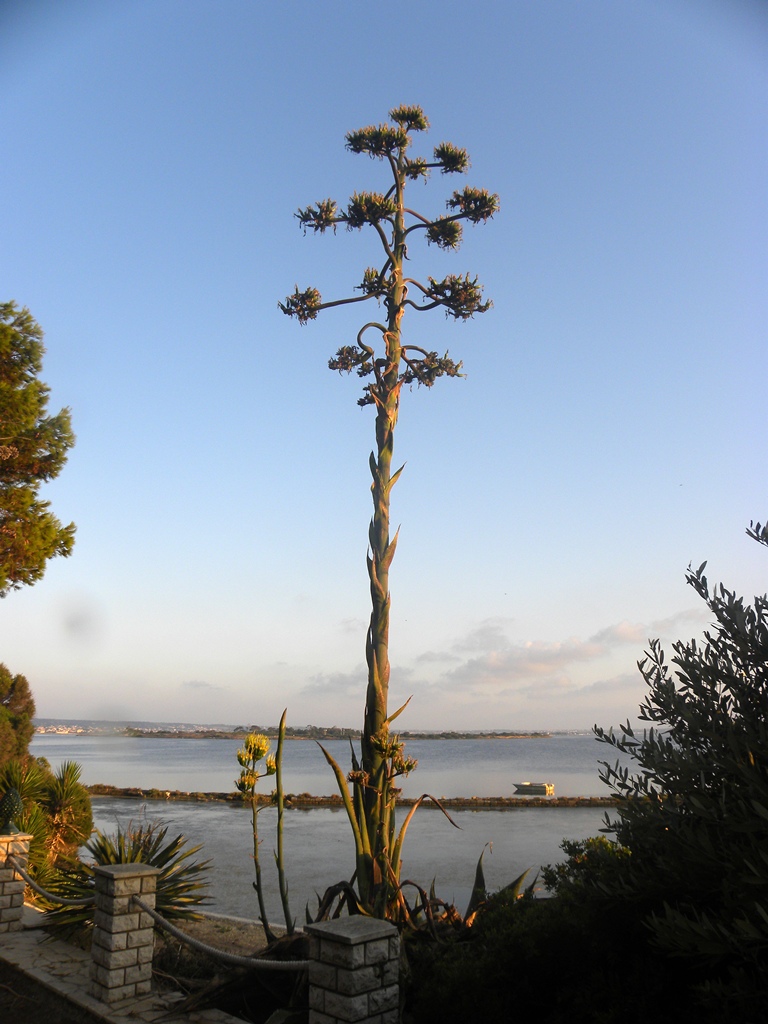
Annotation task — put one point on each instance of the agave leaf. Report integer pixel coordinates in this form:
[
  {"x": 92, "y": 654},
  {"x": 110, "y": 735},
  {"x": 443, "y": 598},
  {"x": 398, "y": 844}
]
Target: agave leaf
[
  {"x": 404, "y": 827},
  {"x": 479, "y": 890},
  {"x": 399, "y": 711},
  {"x": 389, "y": 554},
  {"x": 346, "y": 893},
  {"x": 513, "y": 888},
  {"x": 394, "y": 478},
  {"x": 346, "y": 799}
]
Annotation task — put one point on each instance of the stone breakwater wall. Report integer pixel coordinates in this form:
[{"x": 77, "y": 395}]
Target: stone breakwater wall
[{"x": 304, "y": 801}]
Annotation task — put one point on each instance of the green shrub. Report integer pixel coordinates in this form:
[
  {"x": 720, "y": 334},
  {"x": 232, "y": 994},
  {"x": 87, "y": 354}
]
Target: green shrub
[
  {"x": 548, "y": 960},
  {"x": 592, "y": 867},
  {"x": 694, "y": 813}
]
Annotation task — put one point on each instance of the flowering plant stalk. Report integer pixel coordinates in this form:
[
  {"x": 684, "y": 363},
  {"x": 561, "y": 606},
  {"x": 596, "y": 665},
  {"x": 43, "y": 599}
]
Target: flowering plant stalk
[
  {"x": 387, "y": 360},
  {"x": 252, "y": 752},
  {"x": 278, "y": 797}
]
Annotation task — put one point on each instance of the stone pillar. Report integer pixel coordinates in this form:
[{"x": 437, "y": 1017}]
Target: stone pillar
[
  {"x": 123, "y": 936},
  {"x": 11, "y": 883},
  {"x": 354, "y": 971}
]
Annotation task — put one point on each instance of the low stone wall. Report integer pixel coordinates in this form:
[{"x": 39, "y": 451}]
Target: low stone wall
[{"x": 11, "y": 882}]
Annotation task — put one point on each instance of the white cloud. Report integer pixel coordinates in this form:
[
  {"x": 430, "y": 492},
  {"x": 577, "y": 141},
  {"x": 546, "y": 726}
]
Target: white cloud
[
  {"x": 489, "y": 635},
  {"x": 621, "y": 633},
  {"x": 539, "y": 670},
  {"x": 435, "y": 656},
  {"x": 337, "y": 684},
  {"x": 486, "y": 677},
  {"x": 672, "y": 625},
  {"x": 353, "y": 625}
]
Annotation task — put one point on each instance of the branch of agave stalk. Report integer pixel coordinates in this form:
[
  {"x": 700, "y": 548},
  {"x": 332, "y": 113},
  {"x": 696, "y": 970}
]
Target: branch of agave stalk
[
  {"x": 363, "y": 855},
  {"x": 279, "y": 860},
  {"x": 257, "y": 865}
]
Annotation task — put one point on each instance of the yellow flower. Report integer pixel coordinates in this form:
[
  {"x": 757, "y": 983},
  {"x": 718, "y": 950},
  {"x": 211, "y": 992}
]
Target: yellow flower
[
  {"x": 271, "y": 765},
  {"x": 256, "y": 745},
  {"x": 248, "y": 780}
]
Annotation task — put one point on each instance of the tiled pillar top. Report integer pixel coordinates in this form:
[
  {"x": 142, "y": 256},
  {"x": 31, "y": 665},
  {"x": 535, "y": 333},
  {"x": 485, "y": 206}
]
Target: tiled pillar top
[
  {"x": 15, "y": 837},
  {"x": 125, "y": 870},
  {"x": 350, "y": 931}
]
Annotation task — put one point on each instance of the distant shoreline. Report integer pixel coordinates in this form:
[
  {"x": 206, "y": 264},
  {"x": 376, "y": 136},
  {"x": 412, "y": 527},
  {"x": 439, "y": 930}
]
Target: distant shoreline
[
  {"x": 305, "y": 801},
  {"x": 307, "y": 733},
  {"x": 329, "y": 734}
]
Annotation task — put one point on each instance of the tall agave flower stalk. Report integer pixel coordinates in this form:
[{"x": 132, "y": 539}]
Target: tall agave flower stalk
[
  {"x": 253, "y": 751},
  {"x": 387, "y": 368}
]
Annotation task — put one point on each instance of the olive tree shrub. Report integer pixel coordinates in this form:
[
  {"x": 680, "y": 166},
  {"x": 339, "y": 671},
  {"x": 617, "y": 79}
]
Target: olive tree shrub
[{"x": 694, "y": 813}]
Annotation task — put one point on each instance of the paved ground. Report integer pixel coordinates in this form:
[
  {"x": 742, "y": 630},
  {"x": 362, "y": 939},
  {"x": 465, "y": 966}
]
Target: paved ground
[
  {"x": 45, "y": 981},
  {"x": 24, "y": 999}
]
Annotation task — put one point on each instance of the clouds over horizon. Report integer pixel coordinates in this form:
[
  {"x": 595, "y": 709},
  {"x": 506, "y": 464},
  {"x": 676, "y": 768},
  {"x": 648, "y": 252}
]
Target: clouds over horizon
[
  {"x": 201, "y": 687},
  {"x": 486, "y": 672},
  {"x": 486, "y": 661}
]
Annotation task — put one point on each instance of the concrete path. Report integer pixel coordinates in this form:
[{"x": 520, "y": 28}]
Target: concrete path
[{"x": 64, "y": 971}]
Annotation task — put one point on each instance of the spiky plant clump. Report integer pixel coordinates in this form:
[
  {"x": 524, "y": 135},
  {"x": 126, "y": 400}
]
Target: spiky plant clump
[{"x": 180, "y": 885}]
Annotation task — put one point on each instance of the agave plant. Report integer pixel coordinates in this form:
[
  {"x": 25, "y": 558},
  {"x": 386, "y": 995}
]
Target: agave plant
[
  {"x": 180, "y": 886},
  {"x": 388, "y": 361},
  {"x": 378, "y": 861}
]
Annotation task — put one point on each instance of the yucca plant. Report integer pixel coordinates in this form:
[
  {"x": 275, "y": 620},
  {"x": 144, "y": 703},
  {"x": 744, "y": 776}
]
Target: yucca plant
[
  {"x": 180, "y": 884},
  {"x": 396, "y": 226}
]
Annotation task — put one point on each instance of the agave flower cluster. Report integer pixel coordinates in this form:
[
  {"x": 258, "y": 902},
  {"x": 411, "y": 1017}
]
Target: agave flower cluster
[{"x": 254, "y": 750}]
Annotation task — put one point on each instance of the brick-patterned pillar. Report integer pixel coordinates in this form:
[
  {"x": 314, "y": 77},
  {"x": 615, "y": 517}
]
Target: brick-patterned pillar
[
  {"x": 353, "y": 972},
  {"x": 11, "y": 883},
  {"x": 123, "y": 936}
]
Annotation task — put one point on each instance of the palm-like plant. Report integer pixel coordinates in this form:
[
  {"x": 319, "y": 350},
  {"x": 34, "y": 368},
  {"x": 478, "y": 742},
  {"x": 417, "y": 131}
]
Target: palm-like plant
[
  {"x": 56, "y": 811},
  {"x": 180, "y": 886}
]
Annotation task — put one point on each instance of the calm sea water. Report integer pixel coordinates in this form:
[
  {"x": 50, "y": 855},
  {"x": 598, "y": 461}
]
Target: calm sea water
[
  {"x": 446, "y": 767},
  {"x": 318, "y": 843}
]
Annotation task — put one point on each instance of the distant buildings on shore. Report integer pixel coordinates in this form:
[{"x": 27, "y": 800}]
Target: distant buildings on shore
[
  {"x": 81, "y": 727},
  {"x": 90, "y": 727}
]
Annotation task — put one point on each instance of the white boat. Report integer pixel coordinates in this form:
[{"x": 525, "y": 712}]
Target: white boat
[{"x": 535, "y": 788}]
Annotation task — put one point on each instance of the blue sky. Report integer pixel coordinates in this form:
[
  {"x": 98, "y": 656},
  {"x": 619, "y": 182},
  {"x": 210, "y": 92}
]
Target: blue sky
[{"x": 611, "y": 428}]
